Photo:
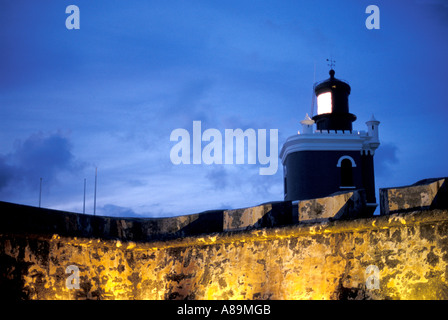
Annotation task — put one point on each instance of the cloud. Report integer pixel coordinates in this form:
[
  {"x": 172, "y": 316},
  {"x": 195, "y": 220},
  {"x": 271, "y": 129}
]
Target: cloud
[
  {"x": 112, "y": 210},
  {"x": 39, "y": 156},
  {"x": 385, "y": 159},
  {"x": 441, "y": 3},
  {"x": 218, "y": 176},
  {"x": 438, "y": 9},
  {"x": 6, "y": 173}
]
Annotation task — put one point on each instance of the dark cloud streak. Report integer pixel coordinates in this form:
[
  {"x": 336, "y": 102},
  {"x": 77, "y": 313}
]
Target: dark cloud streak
[{"x": 39, "y": 156}]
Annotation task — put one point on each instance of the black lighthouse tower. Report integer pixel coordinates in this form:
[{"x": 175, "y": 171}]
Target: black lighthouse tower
[{"x": 327, "y": 155}]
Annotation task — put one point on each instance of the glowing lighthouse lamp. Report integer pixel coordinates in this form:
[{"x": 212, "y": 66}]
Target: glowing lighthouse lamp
[{"x": 324, "y": 103}]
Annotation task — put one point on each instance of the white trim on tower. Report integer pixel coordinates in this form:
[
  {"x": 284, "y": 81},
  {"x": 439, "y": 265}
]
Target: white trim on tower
[
  {"x": 346, "y": 157},
  {"x": 324, "y": 141}
]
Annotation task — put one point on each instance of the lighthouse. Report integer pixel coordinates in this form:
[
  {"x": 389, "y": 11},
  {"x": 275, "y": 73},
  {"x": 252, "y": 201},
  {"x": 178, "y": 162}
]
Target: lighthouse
[{"x": 327, "y": 156}]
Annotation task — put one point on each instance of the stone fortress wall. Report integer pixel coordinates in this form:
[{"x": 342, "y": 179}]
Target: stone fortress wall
[{"x": 326, "y": 248}]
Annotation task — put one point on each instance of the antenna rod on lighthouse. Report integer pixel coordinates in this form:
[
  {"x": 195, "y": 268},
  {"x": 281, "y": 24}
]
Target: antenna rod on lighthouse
[
  {"x": 94, "y": 197},
  {"x": 313, "y": 94}
]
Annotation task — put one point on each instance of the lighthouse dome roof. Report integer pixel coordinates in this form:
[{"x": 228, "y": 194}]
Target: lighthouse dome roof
[{"x": 331, "y": 84}]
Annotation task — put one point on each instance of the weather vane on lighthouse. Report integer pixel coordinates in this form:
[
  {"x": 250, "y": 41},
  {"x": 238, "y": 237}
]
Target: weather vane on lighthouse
[{"x": 331, "y": 63}]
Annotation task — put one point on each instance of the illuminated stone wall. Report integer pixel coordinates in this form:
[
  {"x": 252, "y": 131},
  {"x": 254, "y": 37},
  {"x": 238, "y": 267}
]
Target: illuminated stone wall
[{"x": 326, "y": 260}]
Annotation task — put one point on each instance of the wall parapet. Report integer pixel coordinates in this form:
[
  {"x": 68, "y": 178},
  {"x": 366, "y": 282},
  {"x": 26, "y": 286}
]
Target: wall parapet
[
  {"x": 425, "y": 194},
  {"x": 21, "y": 219},
  {"x": 41, "y": 221},
  {"x": 374, "y": 223}
]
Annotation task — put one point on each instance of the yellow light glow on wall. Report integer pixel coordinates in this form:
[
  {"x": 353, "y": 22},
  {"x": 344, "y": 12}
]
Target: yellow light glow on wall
[{"x": 325, "y": 261}]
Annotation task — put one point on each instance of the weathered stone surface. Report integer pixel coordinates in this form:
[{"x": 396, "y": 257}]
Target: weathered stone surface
[
  {"x": 265, "y": 215},
  {"x": 425, "y": 194},
  {"x": 326, "y": 260},
  {"x": 342, "y": 205}
]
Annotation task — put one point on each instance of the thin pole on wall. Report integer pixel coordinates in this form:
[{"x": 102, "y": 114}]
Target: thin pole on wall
[
  {"x": 40, "y": 192},
  {"x": 94, "y": 197},
  {"x": 84, "y": 203}
]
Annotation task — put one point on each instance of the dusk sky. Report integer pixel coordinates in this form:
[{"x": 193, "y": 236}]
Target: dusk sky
[{"x": 109, "y": 94}]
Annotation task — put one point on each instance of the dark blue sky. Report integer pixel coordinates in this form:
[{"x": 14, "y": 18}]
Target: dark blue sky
[{"x": 109, "y": 94}]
